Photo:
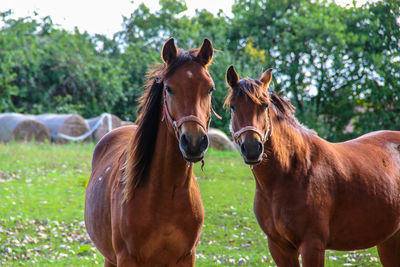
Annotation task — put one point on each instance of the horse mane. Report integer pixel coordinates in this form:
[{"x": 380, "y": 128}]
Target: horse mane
[
  {"x": 140, "y": 149},
  {"x": 250, "y": 88},
  {"x": 284, "y": 109}
]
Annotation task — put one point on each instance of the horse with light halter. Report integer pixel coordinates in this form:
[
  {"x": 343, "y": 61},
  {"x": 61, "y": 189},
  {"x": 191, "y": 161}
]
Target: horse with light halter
[{"x": 312, "y": 195}]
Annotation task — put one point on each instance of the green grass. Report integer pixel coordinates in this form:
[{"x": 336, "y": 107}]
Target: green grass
[{"x": 42, "y": 189}]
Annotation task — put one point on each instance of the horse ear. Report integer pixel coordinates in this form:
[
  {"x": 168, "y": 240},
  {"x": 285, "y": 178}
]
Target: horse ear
[
  {"x": 169, "y": 51},
  {"x": 206, "y": 52},
  {"x": 232, "y": 77},
  {"x": 266, "y": 78}
]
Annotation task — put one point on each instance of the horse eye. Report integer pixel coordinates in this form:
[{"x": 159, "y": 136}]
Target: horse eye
[
  {"x": 232, "y": 108},
  {"x": 169, "y": 90},
  {"x": 211, "y": 90}
]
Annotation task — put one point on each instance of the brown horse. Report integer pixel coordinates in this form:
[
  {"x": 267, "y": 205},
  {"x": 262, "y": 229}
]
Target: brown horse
[
  {"x": 143, "y": 205},
  {"x": 312, "y": 195}
]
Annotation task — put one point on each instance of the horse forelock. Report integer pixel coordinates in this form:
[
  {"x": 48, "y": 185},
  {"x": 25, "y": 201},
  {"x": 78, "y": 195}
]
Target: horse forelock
[
  {"x": 141, "y": 147},
  {"x": 253, "y": 89},
  {"x": 249, "y": 88}
]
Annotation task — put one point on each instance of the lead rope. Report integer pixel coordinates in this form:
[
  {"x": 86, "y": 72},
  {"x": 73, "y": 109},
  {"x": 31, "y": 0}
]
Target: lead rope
[{"x": 215, "y": 114}]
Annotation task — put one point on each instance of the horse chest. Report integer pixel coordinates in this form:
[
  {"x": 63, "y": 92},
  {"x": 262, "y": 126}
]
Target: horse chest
[
  {"x": 277, "y": 217},
  {"x": 170, "y": 238},
  {"x": 162, "y": 230}
]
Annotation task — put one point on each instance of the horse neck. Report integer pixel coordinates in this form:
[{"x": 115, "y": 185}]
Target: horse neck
[
  {"x": 288, "y": 149},
  {"x": 168, "y": 169}
]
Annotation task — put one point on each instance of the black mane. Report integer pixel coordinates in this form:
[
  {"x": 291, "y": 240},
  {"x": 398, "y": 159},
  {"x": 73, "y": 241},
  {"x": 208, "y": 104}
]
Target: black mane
[{"x": 140, "y": 151}]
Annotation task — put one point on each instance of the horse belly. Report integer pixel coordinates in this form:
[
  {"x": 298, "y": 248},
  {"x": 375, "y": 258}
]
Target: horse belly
[
  {"x": 361, "y": 240},
  {"x": 98, "y": 216},
  {"x": 363, "y": 226}
]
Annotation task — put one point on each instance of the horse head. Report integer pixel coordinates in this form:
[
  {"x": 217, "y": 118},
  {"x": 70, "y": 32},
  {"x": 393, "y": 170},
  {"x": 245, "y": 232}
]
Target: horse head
[
  {"x": 249, "y": 102},
  {"x": 187, "y": 91}
]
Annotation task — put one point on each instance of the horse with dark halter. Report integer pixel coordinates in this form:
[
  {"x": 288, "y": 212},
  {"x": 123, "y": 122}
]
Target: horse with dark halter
[
  {"x": 312, "y": 195},
  {"x": 143, "y": 205}
]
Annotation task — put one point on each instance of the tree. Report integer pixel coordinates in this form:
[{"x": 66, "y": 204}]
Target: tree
[
  {"x": 327, "y": 58},
  {"x": 44, "y": 69},
  {"x": 339, "y": 66}
]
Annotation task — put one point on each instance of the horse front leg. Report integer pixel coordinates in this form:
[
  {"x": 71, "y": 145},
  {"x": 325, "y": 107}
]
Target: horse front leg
[
  {"x": 188, "y": 260},
  {"x": 284, "y": 256},
  {"x": 124, "y": 259},
  {"x": 312, "y": 253}
]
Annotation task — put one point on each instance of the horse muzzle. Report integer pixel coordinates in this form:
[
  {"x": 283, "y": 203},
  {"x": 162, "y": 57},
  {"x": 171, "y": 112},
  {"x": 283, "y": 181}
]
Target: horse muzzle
[
  {"x": 193, "y": 146},
  {"x": 252, "y": 151}
]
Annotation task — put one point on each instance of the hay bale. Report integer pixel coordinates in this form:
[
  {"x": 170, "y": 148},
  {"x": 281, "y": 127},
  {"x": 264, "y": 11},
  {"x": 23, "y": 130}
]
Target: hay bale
[
  {"x": 219, "y": 140},
  {"x": 124, "y": 123},
  {"x": 68, "y": 124},
  {"x": 19, "y": 127},
  {"x": 103, "y": 127}
]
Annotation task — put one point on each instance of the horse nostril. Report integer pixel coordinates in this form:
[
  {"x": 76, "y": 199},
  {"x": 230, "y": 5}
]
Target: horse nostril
[
  {"x": 203, "y": 142},
  {"x": 242, "y": 147},
  {"x": 184, "y": 141}
]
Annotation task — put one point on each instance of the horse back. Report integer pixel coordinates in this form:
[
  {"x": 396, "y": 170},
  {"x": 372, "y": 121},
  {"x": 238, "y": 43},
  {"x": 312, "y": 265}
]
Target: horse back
[
  {"x": 380, "y": 149},
  {"x": 108, "y": 159}
]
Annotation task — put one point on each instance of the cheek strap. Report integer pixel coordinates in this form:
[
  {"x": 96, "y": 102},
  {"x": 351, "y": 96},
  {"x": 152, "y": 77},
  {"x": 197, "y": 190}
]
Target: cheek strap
[
  {"x": 237, "y": 134},
  {"x": 177, "y": 124},
  {"x": 263, "y": 137}
]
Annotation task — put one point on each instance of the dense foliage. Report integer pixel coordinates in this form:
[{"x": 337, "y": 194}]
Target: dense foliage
[{"x": 339, "y": 66}]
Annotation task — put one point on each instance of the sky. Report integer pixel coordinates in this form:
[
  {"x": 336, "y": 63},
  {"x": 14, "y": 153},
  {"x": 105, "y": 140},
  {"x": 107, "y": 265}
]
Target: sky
[{"x": 105, "y": 17}]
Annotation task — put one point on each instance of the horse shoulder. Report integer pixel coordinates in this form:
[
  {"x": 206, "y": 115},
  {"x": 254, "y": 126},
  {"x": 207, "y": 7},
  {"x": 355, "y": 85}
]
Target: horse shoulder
[
  {"x": 106, "y": 168},
  {"x": 107, "y": 162},
  {"x": 115, "y": 140}
]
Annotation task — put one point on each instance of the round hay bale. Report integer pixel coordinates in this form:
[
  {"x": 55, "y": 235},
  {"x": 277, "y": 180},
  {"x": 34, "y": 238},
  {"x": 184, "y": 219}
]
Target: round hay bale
[
  {"x": 68, "y": 124},
  {"x": 124, "y": 123},
  {"x": 219, "y": 140},
  {"x": 103, "y": 127},
  {"x": 19, "y": 127}
]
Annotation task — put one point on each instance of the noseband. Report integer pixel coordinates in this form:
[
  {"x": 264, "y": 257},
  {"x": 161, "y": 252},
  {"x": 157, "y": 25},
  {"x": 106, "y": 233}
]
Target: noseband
[
  {"x": 176, "y": 125},
  {"x": 264, "y": 137}
]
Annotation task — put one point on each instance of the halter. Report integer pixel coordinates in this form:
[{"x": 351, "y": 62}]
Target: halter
[
  {"x": 264, "y": 137},
  {"x": 176, "y": 125}
]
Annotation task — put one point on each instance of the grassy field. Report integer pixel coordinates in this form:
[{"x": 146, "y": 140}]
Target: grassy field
[{"x": 42, "y": 190}]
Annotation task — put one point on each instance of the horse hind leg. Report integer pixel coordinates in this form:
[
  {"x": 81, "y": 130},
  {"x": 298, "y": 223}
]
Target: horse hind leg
[{"x": 389, "y": 251}]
